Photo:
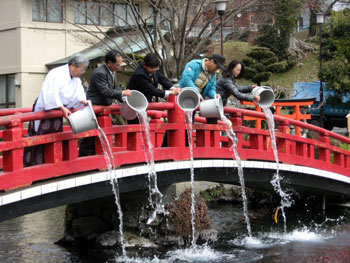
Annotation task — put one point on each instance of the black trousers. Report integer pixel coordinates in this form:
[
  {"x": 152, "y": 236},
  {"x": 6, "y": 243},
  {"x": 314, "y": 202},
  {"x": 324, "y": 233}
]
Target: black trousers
[
  {"x": 134, "y": 121},
  {"x": 87, "y": 146}
]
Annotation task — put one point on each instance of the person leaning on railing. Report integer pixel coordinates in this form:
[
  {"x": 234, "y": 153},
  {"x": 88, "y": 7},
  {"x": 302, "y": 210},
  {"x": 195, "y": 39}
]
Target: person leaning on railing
[
  {"x": 61, "y": 89},
  {"x": 146, "y": 78},
  {"x": 227, "y": 86},
  {"x": 201, "y": 75},
  {"x": 103, "y": 88}
]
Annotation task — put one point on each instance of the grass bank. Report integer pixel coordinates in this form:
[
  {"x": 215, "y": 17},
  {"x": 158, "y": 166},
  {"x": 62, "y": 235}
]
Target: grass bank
[{"x": 305, "y": 71}]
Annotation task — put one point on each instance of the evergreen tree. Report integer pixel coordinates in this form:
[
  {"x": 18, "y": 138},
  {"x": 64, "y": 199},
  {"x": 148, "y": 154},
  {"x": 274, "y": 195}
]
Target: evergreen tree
[
  {"x": 336, "y": 53},
  {"x": 261, "y": 63},
  {"x": 276, "y": 37}
]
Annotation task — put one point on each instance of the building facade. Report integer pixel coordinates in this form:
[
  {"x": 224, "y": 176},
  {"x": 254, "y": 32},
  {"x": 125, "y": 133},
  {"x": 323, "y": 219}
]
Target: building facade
[{"x": 34, "y": 33}]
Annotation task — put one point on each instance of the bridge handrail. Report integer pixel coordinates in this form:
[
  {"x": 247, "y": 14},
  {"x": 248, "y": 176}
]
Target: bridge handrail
[
  {"x": 12, "y": 111},
  {"x": 297, "y": 123},
  {"x": 61, "y": 149},
  {"x": 25, "y": 115}
]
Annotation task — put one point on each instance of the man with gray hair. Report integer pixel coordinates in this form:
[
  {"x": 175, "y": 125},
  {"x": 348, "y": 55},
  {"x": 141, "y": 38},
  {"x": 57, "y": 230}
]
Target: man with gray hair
[{"x": 61, "y": 89}]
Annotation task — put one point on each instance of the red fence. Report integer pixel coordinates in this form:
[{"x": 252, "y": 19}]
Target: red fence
[{"x": 61, "y": 149}]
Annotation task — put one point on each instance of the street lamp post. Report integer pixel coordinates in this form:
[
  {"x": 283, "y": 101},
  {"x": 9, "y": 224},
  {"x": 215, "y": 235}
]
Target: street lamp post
[
  {"x": 221, "y": 7},
  {"x": 320, "y": 21}
]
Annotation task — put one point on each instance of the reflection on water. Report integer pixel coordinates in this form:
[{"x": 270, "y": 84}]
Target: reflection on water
[
  {"x": 310, "y": 238},
  {"x": 31, "y": 237}
]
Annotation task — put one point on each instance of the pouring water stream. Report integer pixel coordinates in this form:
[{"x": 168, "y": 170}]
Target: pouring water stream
[
  {"x": 189, "y": 115},
  {"x": 155, "y": 196},
  {"x": 108, "y": 155},
  {"x": 232, "y": 136},
  {"x": 286, "y": 199}
]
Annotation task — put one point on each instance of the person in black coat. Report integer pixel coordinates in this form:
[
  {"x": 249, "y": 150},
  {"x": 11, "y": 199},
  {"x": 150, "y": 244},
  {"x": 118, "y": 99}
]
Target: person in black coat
[
  {"x": 146, "y": 78},
  {"x": 102, "y": 90},
  {"x": 103, "y": 86},
  {"x": 227, "y": 86}
]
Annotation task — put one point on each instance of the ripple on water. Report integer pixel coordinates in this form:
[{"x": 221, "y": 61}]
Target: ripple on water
[
  {"x": 196, "y": 254},
  {"x": 265, "y": 240}
]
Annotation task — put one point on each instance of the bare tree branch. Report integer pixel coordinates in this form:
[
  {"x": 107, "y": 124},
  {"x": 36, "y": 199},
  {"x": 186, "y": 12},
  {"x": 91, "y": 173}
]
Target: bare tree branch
[{"x": 173, "y": 22}]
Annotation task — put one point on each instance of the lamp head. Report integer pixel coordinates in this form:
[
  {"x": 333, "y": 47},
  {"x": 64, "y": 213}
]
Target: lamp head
[
  {"x": 220, "y": 6},
  {"x": 320, "y": 18}
]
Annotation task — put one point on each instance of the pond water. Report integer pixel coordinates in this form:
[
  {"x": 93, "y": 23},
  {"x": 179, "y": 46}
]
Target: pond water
[{"x": 310, "y": 237}]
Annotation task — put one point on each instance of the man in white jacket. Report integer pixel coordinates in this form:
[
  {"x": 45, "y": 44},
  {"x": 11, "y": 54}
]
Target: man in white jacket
[{"x": 61, "y": 89}]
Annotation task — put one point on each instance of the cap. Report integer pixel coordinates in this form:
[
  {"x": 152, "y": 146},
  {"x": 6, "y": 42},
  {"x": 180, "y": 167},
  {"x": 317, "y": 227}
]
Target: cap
[{"x": 219, "y": 60}]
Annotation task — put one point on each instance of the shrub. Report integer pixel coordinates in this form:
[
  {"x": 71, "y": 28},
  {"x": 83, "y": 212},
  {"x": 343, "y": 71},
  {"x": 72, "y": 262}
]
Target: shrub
[
  {"x": 261, "y": 77},
  {"x": 277, "y": 67}
]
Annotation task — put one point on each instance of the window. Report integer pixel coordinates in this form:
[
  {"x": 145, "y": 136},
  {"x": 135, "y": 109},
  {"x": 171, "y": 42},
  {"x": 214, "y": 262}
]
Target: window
[
  {"x": 94, "y": 13},
  {"x": 163, "y": 17},
  {"x": 47, "y": 10},
  {"x": 7, "y": 91},
  {"x": 106, "y": 14},
  {"x": 120, "y": 15}
]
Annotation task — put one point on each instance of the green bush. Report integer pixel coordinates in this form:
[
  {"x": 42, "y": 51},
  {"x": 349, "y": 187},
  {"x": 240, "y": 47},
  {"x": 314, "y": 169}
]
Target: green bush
[
  {"x": 277, "y": 67},
  {"x": 249, "y": 72},
  {"x": 269, "y": 61},
  {"x": 262, "y": 77},
  {"x": 260, "y": 53},
  {"x": 291, "y": 62},
  {"x": 259, "y": 67},
  {"x": 247, "y": 61}
]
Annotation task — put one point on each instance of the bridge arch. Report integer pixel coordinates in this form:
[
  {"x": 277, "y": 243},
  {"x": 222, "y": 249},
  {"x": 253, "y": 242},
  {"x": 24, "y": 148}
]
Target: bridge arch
[
  {"x": 86, "y": 186},
  {"x": 308, "y": 163}
]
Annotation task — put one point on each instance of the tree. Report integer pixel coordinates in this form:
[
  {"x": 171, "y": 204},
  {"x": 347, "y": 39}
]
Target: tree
[
  {"x": 336, "y": 52},
  {"x": 261, "y": 63},
  {"x": 316, "y": 6},
  {"x": 286, "y": 13},
  {"x": 176, "y": 30}
]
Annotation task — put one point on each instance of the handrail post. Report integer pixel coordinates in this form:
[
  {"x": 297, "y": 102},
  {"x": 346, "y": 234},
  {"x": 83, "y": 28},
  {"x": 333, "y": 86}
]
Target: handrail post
[
  {"x": 157, "y": 135},
  {"x": 104, "y": 121},
  {"x": 13, "y": 159},
  {"x": 284, "y": 145},
  {"x": 324, "y": 153},
  {"x": 176, "y": 138},
  {"x": 236, "y": 119}
]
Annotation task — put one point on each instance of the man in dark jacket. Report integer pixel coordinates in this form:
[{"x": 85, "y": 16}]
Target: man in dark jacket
[
  {"x": 102, "y": 90},
  {"x": 103, "y": 86},
  {"x": 146, "y": 78}
]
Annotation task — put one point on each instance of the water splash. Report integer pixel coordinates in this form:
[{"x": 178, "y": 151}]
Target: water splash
[
  {"x": 272, "y": 239},
  {"x": 155, "y": 196},
  {"x": 189, "y": 115},
  {"x": 202, "y": 253},
  {"x": 137, "y": 260},
  {"x": 286, "y": 199},
  {"x": 108, "y": 155},
  {"x": 304, "y": 234},
  {"x": 232, "y": 135}
]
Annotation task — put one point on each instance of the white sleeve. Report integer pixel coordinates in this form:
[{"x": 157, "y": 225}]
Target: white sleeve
[
  {"x": 80, "y": 91},
  {"x": 50, "y": 92},
  {"x": 167, "y": 93}
]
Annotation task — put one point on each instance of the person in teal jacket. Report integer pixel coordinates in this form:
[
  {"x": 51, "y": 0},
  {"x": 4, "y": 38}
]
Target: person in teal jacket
[{"x": 200, "y": 74}]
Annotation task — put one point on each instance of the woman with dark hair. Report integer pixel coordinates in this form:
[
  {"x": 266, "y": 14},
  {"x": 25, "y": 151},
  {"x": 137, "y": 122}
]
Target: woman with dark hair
[{"x": 226, "y": 85}]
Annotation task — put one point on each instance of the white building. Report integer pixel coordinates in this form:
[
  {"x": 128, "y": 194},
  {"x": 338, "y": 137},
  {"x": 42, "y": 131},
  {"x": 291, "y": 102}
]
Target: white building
[{"x": 34, "y": 33}]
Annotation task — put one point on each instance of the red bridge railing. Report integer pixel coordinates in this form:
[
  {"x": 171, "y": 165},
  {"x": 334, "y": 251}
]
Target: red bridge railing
[{"x": 61, "y": 149}]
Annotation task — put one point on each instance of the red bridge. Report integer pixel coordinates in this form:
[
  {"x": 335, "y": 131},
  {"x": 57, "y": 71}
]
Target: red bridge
[{"x": 318, "y": 165}]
